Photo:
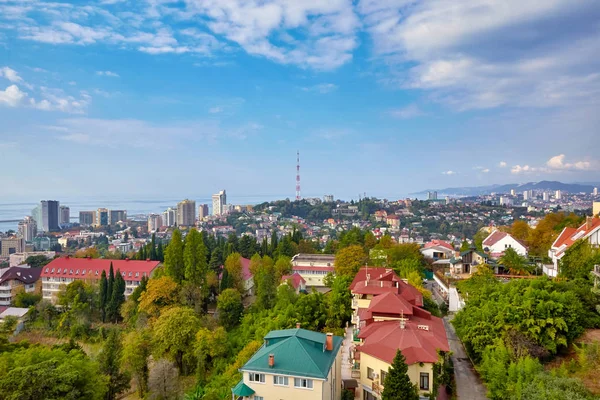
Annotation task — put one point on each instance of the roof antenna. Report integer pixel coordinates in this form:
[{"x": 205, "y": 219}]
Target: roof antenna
[{"x": 402, "y": 322}]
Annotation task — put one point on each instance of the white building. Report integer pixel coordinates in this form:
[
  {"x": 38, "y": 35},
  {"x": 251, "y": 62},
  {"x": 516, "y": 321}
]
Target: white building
[
  {"x": 546, "y": 196},
  {"x": 595, "y": 192},
  {"x": 219, "y": 200},
  {"x": 313, "y": 268},
  {"x": 154, "y": 222},
  {"x": 589, "y": 231},
  {"x": 17, "y": 259},
  {"x": 558, "y": 195},
  {"x": 28, "y": 229},
  {"x": 170, "y": 217},
  {"x": 328, "y": 198},
  {"x": 186, "y": 213},
  {"x": 498, "y": 242},
  {"x": 64, "y": 215}
]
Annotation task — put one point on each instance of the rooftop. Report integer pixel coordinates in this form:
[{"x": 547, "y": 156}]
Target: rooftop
[{"x": 69, "y": 267}]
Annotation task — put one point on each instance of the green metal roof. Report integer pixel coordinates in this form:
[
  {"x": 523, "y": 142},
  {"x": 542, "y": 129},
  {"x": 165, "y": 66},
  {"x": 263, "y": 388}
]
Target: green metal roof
[
  {"x": 241, "y": 389},
  {"x": 297, "y": 352}
]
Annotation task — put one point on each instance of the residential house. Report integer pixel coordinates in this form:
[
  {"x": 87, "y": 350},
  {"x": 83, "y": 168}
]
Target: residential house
[
  {"x": 393, "y": 221},
  {"x": 14, "y": 279},
  {"x": 313, "y": 268},
  {"x": 589, "y": 231},
  {"x": 437, "y": 250},
  {"x": 295, "y": 280},
  {"x": 498, "y": 242},
  {"x": 293, "y": 364},
  {"x": 467, "y": 262},
  {"x": 380, "y": 215},
  {"x": 64, "y": 270}
]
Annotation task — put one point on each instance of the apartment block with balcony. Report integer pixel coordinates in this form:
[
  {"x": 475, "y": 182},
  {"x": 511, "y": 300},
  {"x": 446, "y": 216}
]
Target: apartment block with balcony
[
  {"x": 14, "y": 279},
  {"x": 313, "y": 268},
  {"x": 293, "y": 364}
]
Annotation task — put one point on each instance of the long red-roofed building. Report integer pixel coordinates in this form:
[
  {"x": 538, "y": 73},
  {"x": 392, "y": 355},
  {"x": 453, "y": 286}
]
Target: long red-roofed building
[
  {"x": 589, "y": 230},
  {"x": 64, "y": 270}
]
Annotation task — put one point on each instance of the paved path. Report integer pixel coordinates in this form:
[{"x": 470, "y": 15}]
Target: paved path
[
  {"x": 468, "y": 384},
  {"x": 346, "y": 362}
]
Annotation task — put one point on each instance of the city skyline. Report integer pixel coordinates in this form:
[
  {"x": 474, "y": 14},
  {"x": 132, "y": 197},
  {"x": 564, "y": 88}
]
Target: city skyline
[{"x": 377, "y": 98}]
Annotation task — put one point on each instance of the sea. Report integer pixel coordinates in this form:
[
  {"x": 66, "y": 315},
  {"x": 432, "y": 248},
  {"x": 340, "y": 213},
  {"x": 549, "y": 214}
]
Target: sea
[{"x": 11, "y": 212}]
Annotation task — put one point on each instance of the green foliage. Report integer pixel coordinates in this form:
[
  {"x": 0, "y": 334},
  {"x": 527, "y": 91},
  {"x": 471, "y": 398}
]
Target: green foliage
[
  {"x": 174, "y": 333},
  {"x": 103, "y": 295},
  {"x": 515, "y": 263},
  {"x": 195, "y": 258},
  {"x": 339, "y": 302},
  {"x": 174, "y": 260},
  {"x": 230, "y": 308},
  {"x": 233, "y": 266},
  {"x": 37, "y": 261},
  {"x": 265, "y": 281},
  {"x": 110, "y": 361},
  {"x": 349, "y": 260},
  {"x": 41, "y": 373},
  {"x": 161, "y": 292},
  {"x": 117, "y": 298},
  {"x": 579, "y": 260},
  {"x": 26, "y": 300},
  {"x": 397, "y": 385},
  {"x": 134, "y": 358}
]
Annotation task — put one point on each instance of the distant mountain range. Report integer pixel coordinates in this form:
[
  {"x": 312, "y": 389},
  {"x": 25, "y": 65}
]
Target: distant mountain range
[{"x": 519, "y": 187}]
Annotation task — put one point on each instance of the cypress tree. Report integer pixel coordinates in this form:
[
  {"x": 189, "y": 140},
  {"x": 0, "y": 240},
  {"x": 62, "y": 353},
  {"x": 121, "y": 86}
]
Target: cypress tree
[
  {"x": 117, "y": 297},
  {"x": 274, "y": 243},
  {"x": 103, "y": 294},
  {"x": 153, "y": 247},
  {"x": 174, "y": 264},
  {"x": 160, "y": 255},
  {"x": 397, "y": 385},
  {"x": 216, "y": 260},
  {"x": 110, "y": 284},
  {"x": 109, "y": 361}
]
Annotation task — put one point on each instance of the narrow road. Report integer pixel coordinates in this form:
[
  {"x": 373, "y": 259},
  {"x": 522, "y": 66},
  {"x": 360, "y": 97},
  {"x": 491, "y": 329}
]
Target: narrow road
[{"x": 468, "y": 384}]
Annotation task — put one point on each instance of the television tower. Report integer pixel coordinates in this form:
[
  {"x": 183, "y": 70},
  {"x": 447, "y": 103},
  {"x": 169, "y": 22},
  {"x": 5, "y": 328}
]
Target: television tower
[{"x": 298, "y": 176}]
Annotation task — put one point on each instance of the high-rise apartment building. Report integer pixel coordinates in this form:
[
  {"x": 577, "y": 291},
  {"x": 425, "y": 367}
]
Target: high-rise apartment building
[
  {"x": 87, "y": 218},
  {"x": 154, "y": 222},
  {"x": 202, "y": 211},
  {"x": 432, "y": 195},
  {"x": 11, "y": 245},
  {"x": 116, "y": 216},
  {"x": 558, "y": 195},
  {"x": 328, "y": 198},
  {"x": 219, "y": 200},
  {"x": 101, "y": 217},
  {"x": 595, "y": 191},
  {"x": 64, "y": 214},
  {"x": 186, "y": 213},
  {"x": 513, "y": 192},
  {"x": 46, "y": 215},
  {"x": 546, "y": 196},
  {"x": 170, "y": 217},
  {"x": 28, "y": 229},
  {"x": 528, "y": 195}
]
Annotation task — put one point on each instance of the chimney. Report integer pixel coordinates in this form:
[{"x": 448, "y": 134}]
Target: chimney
[
  {"x": 588, "y": 223},
  {"x": 329, "y": 342},
  {"x": 297, "y": 325},
  {"x": 126, "y": 258},
  {"x": 271, "y": 360}
]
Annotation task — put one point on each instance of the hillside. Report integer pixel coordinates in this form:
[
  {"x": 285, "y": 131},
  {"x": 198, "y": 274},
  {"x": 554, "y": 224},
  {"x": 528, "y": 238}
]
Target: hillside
[{"x": 519, "y": 187}]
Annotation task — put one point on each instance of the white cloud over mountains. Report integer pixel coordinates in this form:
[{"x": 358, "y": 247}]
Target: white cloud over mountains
[{"x": 557, "y": 164}]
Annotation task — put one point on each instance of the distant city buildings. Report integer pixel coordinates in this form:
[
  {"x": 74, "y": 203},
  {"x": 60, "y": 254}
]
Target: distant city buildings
[
  {"x": 116, "y": 216},
  {"x": 558, "y": 195},
  {"x": 506, "y": 201},
  {"x": 170, "y": 217},
  {"x": 513, "y": 192},
  {"x": 528, "y": 195},
  {"x": 101, "y": 217},
  {"x": 186, "y": 213},
  {"x": 87, "y": 218},
  {"x": 328, "y": 198},
  {"x": 546, "y": 196},
  {"x": 595, "y": 191},
  {"x": 11, "y": 245},
  {"x": 202, "y": 211},
  {"x": 155, "y": 221},
  {"x": 432, "y": 195},
  {"x": 219, "y": 201},
  {"x": 64, "y": 215},
  {"x": 27, "y": 229},
  {"x": 46, "y": 215}
]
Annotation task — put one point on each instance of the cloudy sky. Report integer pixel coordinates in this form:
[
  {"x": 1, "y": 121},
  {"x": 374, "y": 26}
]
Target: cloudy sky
[{"x": 178, "y": 98}]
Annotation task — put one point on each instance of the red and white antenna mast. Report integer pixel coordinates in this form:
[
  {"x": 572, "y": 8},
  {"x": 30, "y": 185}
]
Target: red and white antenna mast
[{"x": 298, "y": 175}]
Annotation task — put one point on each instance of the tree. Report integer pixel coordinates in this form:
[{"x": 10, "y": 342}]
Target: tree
[
  {"x": 579, "y": 260},
  {"x": 520, "y": 230},
  {"x": 283, "y": 266},
  {"x": 216, "y": 260},
  {"x": 465, "y": 245},
  {"x": 117, "y": 298},
  {"x": 174, "y": 333},
  {"x": 103, "y": 294},
  {"x": 247, "y": 246},
  {"x": 265, "y": 280},
  {"x": 349, "y": 260},
  {"x": 24, "y": 299},
  {"x": 233, "y": 265},
  {"x": 339, "y": 302},
  {"x": 110, "y": 360},
  {"x": 397, "y": 385},
  {"x": 163, "y": 381},
  {"x": 194, "y": 256},
  {"x": 229, "y": 308},
  {"x": 161, "y": 292},
  {"x": 37, "y": 261},
  {"x": 174, "y": 261},
  {"x": 516, "y": 263},
  {"x": 210, "y": 345},
  {"x": 134, "y": 358}
]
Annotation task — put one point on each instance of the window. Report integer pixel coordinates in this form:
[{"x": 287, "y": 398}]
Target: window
[
  {"x": 424, "y": 381},
  {"x": 303, "y": 383},
  {"x": 257, "y": 377},
  {"x": 382, "y": 377},
  {"x": 280, "y": 380},
  {"x": 370, "y": 373}
]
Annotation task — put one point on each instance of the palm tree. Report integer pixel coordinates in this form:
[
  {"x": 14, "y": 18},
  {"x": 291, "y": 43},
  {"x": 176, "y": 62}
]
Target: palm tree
[{"x": 516, "y": 263}]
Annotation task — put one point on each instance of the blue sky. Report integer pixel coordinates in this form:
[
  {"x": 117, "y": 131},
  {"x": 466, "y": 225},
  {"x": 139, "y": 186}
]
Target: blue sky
[{"x": 183, "y": 98}]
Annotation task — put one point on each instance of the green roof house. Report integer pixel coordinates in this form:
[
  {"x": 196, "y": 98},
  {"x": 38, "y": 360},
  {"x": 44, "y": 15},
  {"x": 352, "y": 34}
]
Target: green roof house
[{"x": 293, "y": 364}]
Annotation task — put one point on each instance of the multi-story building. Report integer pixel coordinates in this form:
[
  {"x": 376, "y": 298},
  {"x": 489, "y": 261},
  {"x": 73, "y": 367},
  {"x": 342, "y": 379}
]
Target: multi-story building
[
  {"x": 101, "y": 217},
  {"x": 17, "y": 259},
  {"x": 186, "y": 213},
  {"x": 546, "y": 196},
  {"x": 595, "y": 192},
  {"x": 44, "y": 243},
  {"x": 219, "y": 200},
  {"x": 154, "y": 222},
  {"x": 87, "y": 218},
  {"x": 116, "y": 216},
  {"x": 293, "y": 364},
  {"x": 64, "y": 270},
  {"x": 388, "y": 317},
  {"x": 506, "y": 201},
  {"x": 170, "y": 217},
  {"x": 528, "y": 195},
  {"x": 432, "y": 195},
  {"x": 11, "y": 245},
  {"x": 313, "y": 268},
  {"x": 513, "y": 192},
  {"x": 202, "y": 211},
  {"x": 46, "y": 215},
  {"x": 14, "y": 279},
  {"x": 596, "y": 209},
  {"x": 27, "y": 229},
  {"x": 558, "y": 195},
  {"x": 64, "y": 215},
  {"x": 328, "y": 198},
  {"x": 589, "y": 231}
]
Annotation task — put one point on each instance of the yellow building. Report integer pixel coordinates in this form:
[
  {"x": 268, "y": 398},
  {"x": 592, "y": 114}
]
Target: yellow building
[
  {"x": 293, "y": 364},
  {"x": 596, "y": 209}
]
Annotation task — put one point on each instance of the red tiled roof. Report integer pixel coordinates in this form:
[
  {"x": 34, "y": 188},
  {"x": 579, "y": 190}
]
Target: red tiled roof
[
  {"x": 569, "y": 236},
  {"x": 383, "y": 339},
  {"x": 494, "y": 238},
  {"x": 374, "y": 274},
  {"x": 390, "y": 303},
  {"x": 384, "y": 280},
  {"x": 295, "y": 278},
  {"x": 439, "y": 243},
  {"x": 91, "y": 268},
  {"x": 246, "y": 274}
]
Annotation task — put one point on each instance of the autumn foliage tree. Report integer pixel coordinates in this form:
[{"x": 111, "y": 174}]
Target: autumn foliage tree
[{"x": 349, "y": 260}]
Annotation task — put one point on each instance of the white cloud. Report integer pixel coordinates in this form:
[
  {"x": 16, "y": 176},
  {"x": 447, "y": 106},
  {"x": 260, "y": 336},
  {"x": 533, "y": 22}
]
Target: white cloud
[
  {"x": 12, "y": 96},
  {"x": 410, "y": 111},
  {"x": 558, "y": 163},
  {"x": 482, "y": 169},
  {"x": 502, "y": 164},
  {"x": 107, "y": 73},
  {"x": 485, "y": 170},
  {"x": 215, "y": 110},
  {"x": 518, "y": 169},
  {"x": 449, "y": 173},
  {"x": 322, "y": 88},
  {"x": 10, "y": 74}
]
